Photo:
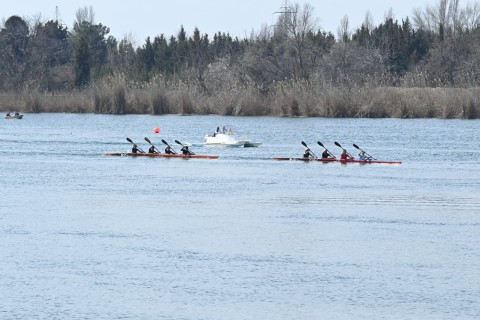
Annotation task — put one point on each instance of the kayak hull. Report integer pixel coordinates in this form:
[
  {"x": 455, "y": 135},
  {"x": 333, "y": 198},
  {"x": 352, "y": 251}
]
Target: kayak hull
[
  {"x": 161, "y": 155},
  {"x": 18, "y": 116},
  {"x": 305, "y": 159},
  {"x": 338, "y": 160}
]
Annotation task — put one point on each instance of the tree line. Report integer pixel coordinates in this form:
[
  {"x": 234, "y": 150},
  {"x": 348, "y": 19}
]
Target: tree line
[{"x": 438, "y": 47}]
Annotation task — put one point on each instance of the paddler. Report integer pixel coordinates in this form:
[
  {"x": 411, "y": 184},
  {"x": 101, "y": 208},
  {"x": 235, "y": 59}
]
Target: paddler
[
  {"x": 345, "y": 155},
  {"x": 307, "y": 153},
  {"x": 185, "y": 150},
  {"x": 135, "y": 148}
]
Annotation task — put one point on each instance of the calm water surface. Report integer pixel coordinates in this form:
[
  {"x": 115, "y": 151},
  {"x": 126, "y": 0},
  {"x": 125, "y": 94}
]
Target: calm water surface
[{"x": 85, "y": 236}]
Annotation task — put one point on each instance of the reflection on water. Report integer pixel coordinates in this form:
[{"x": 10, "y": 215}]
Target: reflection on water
[{"x": 242, "y": 237}]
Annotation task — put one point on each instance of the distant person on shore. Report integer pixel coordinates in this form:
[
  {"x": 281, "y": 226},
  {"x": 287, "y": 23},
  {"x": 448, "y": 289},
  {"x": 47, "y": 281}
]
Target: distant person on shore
[
  {"x": 17, "y": 114},
  {"x": 345, "y": 156}
]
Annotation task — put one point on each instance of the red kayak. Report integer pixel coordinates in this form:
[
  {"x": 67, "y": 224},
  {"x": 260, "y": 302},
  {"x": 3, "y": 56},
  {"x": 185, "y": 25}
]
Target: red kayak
[
  {"x": 161, "y": 155},
  {"x": 338, "y": 160},
  {"x": 307, "y": 159}
]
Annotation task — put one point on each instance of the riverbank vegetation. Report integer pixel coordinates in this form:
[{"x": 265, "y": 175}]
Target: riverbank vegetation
[{"x": 428, "y": 66}]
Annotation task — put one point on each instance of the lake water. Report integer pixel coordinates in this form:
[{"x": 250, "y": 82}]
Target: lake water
[{"x": 86, "y": 236}]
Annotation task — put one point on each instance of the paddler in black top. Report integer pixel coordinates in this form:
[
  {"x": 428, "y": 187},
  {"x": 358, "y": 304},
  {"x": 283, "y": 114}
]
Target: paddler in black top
[
  {"x": 169, "y": 150},
  {"x": 185, "y": 150},
  {"x": 135, "y": 149},
  {"x": 326, "y": 154},
  {"x": 307, "y": 153},
  {"x": 151, "y": 150}
]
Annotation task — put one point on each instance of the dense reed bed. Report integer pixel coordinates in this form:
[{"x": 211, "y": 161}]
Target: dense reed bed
[{"x": 288, "y": 99}]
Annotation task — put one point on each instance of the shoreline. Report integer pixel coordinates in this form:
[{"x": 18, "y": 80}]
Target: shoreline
[{"x": 285, "y": 101}]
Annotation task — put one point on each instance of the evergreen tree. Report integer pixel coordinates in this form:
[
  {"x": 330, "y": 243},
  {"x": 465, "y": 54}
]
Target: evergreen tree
[{"x": 14, "y": 38}]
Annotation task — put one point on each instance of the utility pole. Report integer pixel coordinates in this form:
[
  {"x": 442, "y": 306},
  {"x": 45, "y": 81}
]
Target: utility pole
[
  {"x": 285, "y": 11},
  {"x": 286, "y": 8},
  {"x": 58, "y": 18}
]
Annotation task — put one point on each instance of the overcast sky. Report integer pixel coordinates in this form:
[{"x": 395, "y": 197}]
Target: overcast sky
[{"x": 143, "y": 18}]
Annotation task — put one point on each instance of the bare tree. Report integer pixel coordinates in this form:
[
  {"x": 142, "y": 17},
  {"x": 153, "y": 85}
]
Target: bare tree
[
  {"x": 85, "y": 14},
  {"x": 343, "y": 31},
  {"x": 368, "y": 21},
  {"x": 389, "y": 15},
  {"x": 447, "y": 16},
  {"x": 291, "y": 51},
  {"x": 471, "y": 16},
  {"x": 299, "y": 23}
]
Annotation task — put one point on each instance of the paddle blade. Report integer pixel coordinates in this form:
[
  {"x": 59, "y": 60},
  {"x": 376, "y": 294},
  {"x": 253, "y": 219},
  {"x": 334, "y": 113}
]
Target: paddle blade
[
  {"x": 165, "y": 142},
  {"x": 304, "y": 144},
  {"x": 129, "y": 140},
  {"x": 338, "y": 144},
  {"x": 320, "y": 144},
  {"x": 179, "y": 142},
  {"x": 357, "y": 147},
  {"x": 148, "y": 140}
]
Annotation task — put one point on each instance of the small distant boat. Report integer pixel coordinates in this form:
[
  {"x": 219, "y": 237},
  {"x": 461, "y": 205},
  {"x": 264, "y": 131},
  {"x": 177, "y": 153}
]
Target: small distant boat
[
  {"x": 162, "y": 155},
  {"x": 17, "y": 116}
]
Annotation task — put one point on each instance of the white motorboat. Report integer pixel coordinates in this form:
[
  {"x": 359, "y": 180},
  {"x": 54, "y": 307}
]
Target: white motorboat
[{"x": 225, "y": 138}]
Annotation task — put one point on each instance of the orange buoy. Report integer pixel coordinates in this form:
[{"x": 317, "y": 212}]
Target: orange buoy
[{"x": 156, "y": 130}]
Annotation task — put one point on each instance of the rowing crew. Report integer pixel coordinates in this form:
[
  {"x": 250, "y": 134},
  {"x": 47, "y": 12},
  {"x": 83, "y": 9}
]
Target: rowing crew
[
  {"x": 326, "y": 154},
  {"x": 152, "y": 149},
  {"x": 168, "y": 150}
]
